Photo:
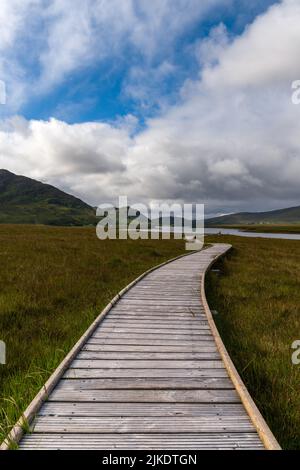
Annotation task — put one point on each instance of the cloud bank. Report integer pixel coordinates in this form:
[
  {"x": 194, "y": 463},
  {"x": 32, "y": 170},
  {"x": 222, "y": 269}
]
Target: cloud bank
[{"x": 231, "y": 140}]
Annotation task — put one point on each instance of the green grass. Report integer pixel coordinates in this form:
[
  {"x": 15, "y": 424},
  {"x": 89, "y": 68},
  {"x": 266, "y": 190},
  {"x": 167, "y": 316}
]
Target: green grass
[
  {"x": 257, "y": 298},
  {"x": 53, "y": 283}
]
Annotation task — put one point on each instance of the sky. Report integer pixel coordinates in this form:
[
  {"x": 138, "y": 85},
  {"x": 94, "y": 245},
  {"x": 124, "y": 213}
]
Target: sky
[{"x": 169, "y": 100}]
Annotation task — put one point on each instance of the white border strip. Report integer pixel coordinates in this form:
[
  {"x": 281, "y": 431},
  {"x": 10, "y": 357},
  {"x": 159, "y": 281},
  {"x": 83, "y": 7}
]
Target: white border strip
[{"x": 264, "y": 432}]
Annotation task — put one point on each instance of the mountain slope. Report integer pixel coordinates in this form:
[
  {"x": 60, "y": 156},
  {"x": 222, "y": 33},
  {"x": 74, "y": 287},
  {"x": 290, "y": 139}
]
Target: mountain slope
[
  {"x": 27, "y": 201},
  {"x": 281, "y": 216}
]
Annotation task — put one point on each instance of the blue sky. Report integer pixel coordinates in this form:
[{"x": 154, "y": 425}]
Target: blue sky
[
  {"x": 175, "y": 100},
  {"x": 98, "y": 90}
]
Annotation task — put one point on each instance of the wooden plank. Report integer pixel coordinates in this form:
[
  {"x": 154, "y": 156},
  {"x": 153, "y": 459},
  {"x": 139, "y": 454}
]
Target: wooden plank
[
  {"x": 158, "y": 303},
  {"x": 144, "y": 364},
  {"x": 121, "y": 425},
  {"x": 183, "y": 324},
  {"x": 163, "y": 316},
  {"x": 163, "y": 332},
  {"x": 146, "y": 383},
  {"x": 167, "y": 297},
  {"x": 169, "y": 314},
  {"x": 161, "y": 337},
  {"x": 113, "y": 339},
  {"x": 153, "y": 316},
  {"x": 141, "y": 409},
  {"x": 150, "y": 372},
  {"x": 176, "y": 292},
  {"x": 181, "y": 327},
  {"x": 157, "y": 307},
  {"x": 123, "y": 355},
  {"x": 202, "y": 347},
  {"x": 161, "y": 310},
  {"x": 148, "y": 396},
  {"x": 184, "y": 441},
  {"x": 187, "y": 322},
  {"x": 158, "y": 331},
  {"x": 147, "y": 290}
]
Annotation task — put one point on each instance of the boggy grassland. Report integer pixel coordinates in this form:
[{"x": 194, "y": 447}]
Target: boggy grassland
[
  {"x": 55, "y": 281},
  {"x": 257, "y": 298}
]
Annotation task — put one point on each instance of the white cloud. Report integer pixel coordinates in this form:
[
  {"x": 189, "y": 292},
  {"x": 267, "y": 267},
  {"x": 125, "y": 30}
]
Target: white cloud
[
  {"x": 13, "y": 14},
  {"x": 58, "y": 37},
  {"x": 232, "y": 141},
  {"x": 267, "y": 52},
  {"x": 60, "y": 152},
  {"x": 209, "y": 49}
]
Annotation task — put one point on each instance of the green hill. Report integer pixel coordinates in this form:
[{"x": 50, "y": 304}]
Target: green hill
[
  {"x": 281, "y": 216},
  {"x": 27, "y": 201}
]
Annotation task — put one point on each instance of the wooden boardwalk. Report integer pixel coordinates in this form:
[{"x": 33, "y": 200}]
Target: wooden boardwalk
[{"x": 150, "y": 376}]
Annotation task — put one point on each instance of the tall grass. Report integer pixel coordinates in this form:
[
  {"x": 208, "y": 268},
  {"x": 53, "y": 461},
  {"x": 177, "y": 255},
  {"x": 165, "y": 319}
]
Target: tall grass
[
  {"x": 53, "y": 283},
  {"x": 257, "y": 298}
]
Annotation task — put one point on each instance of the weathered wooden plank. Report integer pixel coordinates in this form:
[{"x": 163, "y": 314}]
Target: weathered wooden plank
[
  {"x": 171, "y": 287},
  {"x": 168, "y": 294},
  {"x": 108, "y": 441},
  {"x": 190, "y": 284},
  {"x": 158, "y": 331},
  {"x": 173, "y": 356},
  {"x": 144, "y": 364},
  {"x": 141, "y": 409},
  {"x": 142, "y": 341},
  {"x": 163, "y": 317},
  {"x": 184, "y": 324},
  {"x": 167, "y": 297},
  {"x": 202, "y": 347},
  {"x": 162, "y": 337},
  {"x": 174, "y": 310},
  {"x": 176, "y": 314},
  {"x": 146, "y": 383},
  {"x": 167, "y": 314},
  {"x": 148, "y": 396},
  {"x": 162, "y": 308},
  {"x": 121, "y": 425},
  {"x": 157, "y": 303},
  {"x": 183, "y": 327},
  {"x": 148, "y": 329},
  {"x": 150, "y": 372},
  {"x": 147, "y": 290}
]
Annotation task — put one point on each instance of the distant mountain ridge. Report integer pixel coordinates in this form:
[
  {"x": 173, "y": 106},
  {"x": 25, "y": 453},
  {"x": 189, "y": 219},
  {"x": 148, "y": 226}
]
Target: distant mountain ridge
[
  {"x": 27, "y": 201},
  {"x": 290, "y": 215}
]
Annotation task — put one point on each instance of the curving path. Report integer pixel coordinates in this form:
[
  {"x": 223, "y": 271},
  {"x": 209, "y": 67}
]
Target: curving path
[{"x": 151, "y": 373}]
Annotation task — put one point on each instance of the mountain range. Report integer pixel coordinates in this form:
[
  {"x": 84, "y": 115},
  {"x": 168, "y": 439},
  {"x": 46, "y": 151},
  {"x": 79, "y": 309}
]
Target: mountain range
[
  {"x": 27, "y": 201},
  {"x": 276, "y": 217}
]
